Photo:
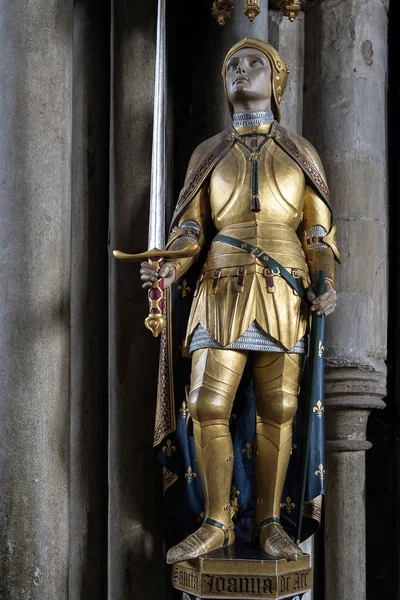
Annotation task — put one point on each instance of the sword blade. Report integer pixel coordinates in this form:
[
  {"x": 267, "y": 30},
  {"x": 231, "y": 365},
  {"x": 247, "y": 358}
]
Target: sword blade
[{"x": 158, "y": 159}]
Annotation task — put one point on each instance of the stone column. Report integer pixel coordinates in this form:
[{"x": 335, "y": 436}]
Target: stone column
[
  {"x": 288, "y": 39},
  {"x": 89, "y": 305},
  {"x": 35, "y": 200},
  {"x": 345, "y": 118},
  {"x": 219, "y": 40},
  {"x": 135, "y": 523}
]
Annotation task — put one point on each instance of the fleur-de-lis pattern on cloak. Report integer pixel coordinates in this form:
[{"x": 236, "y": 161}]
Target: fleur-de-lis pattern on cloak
[
  {"x": 184, "y": 410},
  {"x": 247, "y": 451},
  {"x": 184, "y": 289},
  {"x": 169, "y": 449},
  {"x": 190, "y": 475},
  {"x": 320, "y": 472},
  {"x": 288, "y": 505},
  {"x": 319, "y": 409}
]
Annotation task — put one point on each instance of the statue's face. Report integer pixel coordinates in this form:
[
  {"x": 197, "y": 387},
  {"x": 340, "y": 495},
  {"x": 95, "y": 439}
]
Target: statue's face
[{"x": 248, "y": 77}]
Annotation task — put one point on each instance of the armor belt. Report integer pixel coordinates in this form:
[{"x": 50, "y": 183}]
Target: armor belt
[{"x": 267, "y": 260}]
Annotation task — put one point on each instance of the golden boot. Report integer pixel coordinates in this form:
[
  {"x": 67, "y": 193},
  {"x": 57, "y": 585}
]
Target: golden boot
[
  {"x": 276, "y": 383},
  {"x": 215, "y": 377}
]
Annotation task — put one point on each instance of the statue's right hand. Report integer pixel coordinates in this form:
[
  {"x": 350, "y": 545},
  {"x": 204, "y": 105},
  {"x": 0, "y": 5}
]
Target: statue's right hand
[{"x": 150, "y": 273}]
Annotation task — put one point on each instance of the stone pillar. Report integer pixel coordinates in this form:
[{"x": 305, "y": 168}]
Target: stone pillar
[
  {"x": 35, "y": 200},
  {"x": 135, "y": 523},
  {"x": 345, "y": 118},
  {"x": 288, "y": 39},
  {"x": 219, "y": 40},
  {"x": 351, "y": 394},
  {"x": 89, "y": 306}
]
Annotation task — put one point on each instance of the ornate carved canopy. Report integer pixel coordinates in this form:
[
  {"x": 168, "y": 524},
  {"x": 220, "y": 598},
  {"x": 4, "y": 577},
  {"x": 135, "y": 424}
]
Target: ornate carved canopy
[{"x": 222, "y": 9}]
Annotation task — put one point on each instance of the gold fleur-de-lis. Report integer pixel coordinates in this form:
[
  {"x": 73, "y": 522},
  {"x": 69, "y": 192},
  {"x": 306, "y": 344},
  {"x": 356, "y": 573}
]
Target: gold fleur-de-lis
[
  {"x": 190, "y": 475},
  {"x": 234, "y": 502},
  {"x": 321, "y": 349},
  {"x": 288, "y": 505},
  {"x": 319, "y": 409},
  {"x": 183, "y": 410},
  {"x": 184, "y": 288},
  {"x": 248, "y": 450},
  {"x": 168, "y": 448},
  {"x": 320, "y": 472}
]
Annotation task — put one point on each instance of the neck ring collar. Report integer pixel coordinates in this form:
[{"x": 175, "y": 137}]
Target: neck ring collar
[{"x": 252, "y": 118}]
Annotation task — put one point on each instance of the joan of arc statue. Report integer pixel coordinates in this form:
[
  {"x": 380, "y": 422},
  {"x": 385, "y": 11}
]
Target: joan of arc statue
[{"x": 256, "y": 201}]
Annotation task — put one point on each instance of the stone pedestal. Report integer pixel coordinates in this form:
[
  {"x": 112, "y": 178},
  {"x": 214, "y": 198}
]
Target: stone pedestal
[{"x": 242, "y": 571}]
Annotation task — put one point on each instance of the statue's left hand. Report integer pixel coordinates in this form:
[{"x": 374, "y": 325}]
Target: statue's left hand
[{"x": 325, "y": 303}]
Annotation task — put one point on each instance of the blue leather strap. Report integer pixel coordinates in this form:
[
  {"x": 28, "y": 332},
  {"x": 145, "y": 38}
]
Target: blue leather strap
[
  {"x": 220, "y": 526},
  {"x": 268, "y": 521},
  {"x": 266, "y": 259}
]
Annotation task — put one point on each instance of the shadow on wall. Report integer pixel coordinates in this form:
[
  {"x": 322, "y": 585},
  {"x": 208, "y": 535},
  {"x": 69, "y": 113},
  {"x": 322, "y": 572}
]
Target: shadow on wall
[{"x": 136, "y": 551}]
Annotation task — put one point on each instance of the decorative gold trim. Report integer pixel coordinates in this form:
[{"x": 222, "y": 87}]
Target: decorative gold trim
[
  {"x": 169, "y": 478},
  {"x": 234, "y": 502},
  {"x": 165, "y": 422},
  {"x": 313, "y": 509},
  {"x": 221, "y": 10},
  {"x": 252, "y": 9},
  {"x": 290, "y": 8}
]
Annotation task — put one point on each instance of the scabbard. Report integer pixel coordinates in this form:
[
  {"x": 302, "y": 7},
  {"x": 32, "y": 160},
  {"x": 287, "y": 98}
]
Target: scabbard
[{"x": 314, "y": 388}]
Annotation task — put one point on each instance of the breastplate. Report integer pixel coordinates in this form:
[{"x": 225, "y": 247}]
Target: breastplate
[{"x": 281, "y": 188}]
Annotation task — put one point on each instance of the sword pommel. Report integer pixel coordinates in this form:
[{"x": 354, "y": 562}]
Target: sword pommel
[{"x": 155, "y": 323}]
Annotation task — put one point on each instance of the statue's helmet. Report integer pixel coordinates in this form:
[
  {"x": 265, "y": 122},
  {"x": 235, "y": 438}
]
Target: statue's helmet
[{"x": 279, "y": 70}]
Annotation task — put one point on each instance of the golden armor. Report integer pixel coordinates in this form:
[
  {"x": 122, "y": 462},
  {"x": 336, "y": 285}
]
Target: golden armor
[{"x": 274, "y": 206}]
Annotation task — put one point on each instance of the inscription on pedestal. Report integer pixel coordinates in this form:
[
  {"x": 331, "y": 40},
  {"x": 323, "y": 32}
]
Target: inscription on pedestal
[
  {"x": 186, "y": 596},
  {"x": 241, "y": 586},
  {"x": 242, "y": 572}
]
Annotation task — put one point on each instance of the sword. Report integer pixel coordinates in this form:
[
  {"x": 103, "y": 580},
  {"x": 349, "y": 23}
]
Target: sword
[{"x": 155, "y": 254}]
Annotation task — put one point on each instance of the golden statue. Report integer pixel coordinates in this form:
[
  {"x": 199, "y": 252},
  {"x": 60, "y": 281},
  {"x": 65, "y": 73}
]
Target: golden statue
[{"x": 264, "y": 190}]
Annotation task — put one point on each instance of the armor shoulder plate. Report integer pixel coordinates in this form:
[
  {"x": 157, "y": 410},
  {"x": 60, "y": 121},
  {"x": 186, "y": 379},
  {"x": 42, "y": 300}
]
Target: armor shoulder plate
[
  {"x": 200, "y": 153},
  {"x": 306, "y": 157}
]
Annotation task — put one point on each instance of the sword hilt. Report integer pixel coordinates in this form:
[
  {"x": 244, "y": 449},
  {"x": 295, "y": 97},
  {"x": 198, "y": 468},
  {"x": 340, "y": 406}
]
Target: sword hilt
[
  {"x": 187, "y": 252},
  {"x": 156, "y": 321}
]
